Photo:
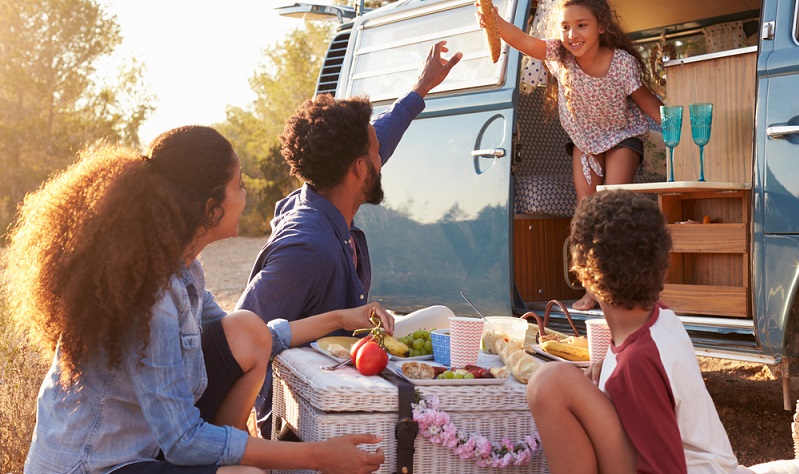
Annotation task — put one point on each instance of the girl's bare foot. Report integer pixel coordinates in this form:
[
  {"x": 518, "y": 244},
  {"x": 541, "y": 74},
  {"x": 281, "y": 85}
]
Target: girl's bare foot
[{"x": 584, "y": 303}]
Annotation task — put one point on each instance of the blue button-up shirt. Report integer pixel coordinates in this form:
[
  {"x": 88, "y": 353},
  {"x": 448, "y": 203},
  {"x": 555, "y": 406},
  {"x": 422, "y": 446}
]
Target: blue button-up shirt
[
  {"x": 306, "y": 266},
  {"x": 122, "y": 414}
]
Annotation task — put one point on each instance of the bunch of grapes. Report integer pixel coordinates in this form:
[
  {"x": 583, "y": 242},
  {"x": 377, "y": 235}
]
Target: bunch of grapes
[{"x": 418, "y": 342}]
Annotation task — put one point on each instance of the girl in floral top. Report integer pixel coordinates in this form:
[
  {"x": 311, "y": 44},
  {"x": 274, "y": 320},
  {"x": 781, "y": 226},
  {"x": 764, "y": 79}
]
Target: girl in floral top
[{"x": 599, "y": 84}]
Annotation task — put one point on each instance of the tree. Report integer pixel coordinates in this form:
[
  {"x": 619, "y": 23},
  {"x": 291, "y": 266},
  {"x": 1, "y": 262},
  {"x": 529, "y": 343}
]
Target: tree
[
  {"x": 52, "y": 102},
  {"x": 285, "y": 78}
]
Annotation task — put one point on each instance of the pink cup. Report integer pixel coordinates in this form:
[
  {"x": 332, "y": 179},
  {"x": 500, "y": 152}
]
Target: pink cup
[
  {"x": 465, "y": 337},
  {"x": 598, "y": 338}
]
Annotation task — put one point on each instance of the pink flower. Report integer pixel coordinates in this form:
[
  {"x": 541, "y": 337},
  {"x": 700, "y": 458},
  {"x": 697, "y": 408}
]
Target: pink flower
[
  {"x": 437, "y": 426},
  {"x": 483, "y": 446}
]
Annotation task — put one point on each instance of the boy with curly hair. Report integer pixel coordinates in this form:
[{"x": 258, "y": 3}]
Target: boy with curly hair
[{"x": 645, "y": 408}]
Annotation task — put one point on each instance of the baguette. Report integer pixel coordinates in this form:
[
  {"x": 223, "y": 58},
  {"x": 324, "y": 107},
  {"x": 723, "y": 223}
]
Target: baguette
[
  {"x": 566, "y": 351},
  {"x": 491, "y": 28},
  {"x": 521, "y": 364},
  {"x": 579, "y": 341}
]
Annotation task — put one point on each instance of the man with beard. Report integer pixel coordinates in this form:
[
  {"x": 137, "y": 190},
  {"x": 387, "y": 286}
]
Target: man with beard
[{"x": 316, "y": 260}]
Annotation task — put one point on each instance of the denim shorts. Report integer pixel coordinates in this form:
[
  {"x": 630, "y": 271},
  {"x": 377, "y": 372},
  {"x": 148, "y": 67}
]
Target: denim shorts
[
  {"x": 634, "y": 144},
  {"x": 222, "y": 368},
  {"x": 223, "y": 371}
]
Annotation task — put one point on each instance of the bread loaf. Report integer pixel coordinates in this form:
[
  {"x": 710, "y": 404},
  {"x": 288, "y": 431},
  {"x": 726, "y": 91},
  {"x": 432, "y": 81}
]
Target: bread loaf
[
  {"x": 418, "y": 370},
  {"x": 338, "y": 351},
  {"x": 521, "y": 364},
  {"x": 491, "y": 28}
]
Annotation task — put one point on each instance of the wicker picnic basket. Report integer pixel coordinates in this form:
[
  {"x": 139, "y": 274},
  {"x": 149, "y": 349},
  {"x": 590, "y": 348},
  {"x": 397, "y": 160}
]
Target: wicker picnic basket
[
  {"x": 795, "y": 431},
  {"x": 541, "y": 324},
  {"x": 319, "y": 406}
]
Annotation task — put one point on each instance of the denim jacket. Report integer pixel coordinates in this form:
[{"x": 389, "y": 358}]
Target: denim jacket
[{"x": 126, "y": 413}]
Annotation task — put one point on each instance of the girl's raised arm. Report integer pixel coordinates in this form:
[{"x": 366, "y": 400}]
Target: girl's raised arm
[{"x": 515, "y": 37}]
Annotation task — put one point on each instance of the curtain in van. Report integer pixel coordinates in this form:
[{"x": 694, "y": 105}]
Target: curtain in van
[
  {"x": 724, "y": 36},
  {"x": 544, "y": 25}
]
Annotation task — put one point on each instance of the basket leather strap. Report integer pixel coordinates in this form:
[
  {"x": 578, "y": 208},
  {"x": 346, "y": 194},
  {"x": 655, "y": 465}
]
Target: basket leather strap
[{"x": 406, "y": 429}]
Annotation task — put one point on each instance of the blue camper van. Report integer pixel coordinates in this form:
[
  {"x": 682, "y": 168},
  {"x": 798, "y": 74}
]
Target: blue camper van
[{"x": 479, "y": 193}]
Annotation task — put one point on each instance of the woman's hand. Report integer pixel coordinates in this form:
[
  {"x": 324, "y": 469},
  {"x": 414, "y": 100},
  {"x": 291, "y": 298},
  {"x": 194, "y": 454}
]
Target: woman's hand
[
  {"x": 358, "y": 318},
  {"x": 341, "y": 455}
]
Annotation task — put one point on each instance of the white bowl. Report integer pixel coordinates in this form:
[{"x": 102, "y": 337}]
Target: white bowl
[{"x": 515, "y": 329}]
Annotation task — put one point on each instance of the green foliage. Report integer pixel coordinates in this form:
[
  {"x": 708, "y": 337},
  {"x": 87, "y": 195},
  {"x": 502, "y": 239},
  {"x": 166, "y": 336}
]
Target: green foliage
[
  {"x": 285, "y": 78},
  {"x": 51, "y": 101}
]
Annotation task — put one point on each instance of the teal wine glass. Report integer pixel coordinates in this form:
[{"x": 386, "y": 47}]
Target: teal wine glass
[
  {"x": 701, "y": 119},
  {"x": 671, "y": 123}
]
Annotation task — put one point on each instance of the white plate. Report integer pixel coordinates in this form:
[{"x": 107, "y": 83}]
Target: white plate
[
  {"x": 322, "y": 351},
  {"x": 445, "y": 382},
  {"x": 546, "y": 355},
  {"x": 403, "y": 359}
]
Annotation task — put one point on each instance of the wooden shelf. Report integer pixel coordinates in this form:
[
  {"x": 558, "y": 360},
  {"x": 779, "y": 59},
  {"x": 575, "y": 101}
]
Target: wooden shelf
[
  {"x": 708, "y": 238},
  {"x": 706, "y": 299},
  {"x": 709, "y": 266},
  {"x": 676, "y": 187}
]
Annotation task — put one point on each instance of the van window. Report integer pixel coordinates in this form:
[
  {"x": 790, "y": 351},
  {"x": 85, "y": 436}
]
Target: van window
[{"x": 390, "y": 49}]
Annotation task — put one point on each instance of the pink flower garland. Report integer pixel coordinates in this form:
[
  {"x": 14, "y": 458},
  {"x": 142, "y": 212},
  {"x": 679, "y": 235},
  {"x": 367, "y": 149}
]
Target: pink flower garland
[{"x": 437, "y": 426}]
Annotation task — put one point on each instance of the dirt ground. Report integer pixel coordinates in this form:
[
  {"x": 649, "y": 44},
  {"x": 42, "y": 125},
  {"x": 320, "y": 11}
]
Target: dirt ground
[{"x": 747, "y": 397}]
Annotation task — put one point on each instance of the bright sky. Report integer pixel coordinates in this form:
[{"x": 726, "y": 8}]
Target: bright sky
[{"x": 198, "y": 54}]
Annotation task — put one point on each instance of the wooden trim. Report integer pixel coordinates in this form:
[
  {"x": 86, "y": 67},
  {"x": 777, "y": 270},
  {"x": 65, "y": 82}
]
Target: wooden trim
[
  {"x": 538, "y": 258},
  {"x": 709, "y": 238},
  {"x": 706, "y": 299}
]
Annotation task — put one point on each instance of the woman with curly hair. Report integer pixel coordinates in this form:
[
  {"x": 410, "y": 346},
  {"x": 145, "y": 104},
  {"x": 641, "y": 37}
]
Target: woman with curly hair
[
  {"x": 149, "y": 373},
  {"x": 648, "y": 409},
  {"x": 602, "y": 91}
]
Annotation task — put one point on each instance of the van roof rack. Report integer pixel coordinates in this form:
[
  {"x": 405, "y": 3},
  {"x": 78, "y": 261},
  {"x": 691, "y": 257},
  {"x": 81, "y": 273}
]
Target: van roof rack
[{"x": 313, "y": 11}]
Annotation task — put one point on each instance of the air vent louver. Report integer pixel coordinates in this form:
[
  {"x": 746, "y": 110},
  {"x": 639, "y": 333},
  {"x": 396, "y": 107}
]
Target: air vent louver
[{"x": 331, "y": 68}]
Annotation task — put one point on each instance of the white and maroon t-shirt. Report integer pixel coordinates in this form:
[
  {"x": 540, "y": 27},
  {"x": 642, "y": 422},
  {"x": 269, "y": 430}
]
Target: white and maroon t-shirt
[{"x": 657, "y": 389}]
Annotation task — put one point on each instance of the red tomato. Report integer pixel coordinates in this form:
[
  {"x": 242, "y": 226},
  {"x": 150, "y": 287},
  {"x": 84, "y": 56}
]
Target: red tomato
[
  {"x": 357, "y": 345},
  {"x": 370, "y": 359}
]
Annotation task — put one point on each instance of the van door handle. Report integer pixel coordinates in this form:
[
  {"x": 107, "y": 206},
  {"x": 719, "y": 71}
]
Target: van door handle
[
  {"x": 781, "y": 131},
  {"x": 491, "y": 152}
]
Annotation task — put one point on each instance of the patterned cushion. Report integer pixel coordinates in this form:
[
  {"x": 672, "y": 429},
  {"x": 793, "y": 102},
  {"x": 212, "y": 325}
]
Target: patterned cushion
[{"x": 550, "y": 195}]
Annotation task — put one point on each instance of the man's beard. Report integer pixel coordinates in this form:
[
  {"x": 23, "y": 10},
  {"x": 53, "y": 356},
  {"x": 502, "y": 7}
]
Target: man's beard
[{"x": 373, "y": 192}]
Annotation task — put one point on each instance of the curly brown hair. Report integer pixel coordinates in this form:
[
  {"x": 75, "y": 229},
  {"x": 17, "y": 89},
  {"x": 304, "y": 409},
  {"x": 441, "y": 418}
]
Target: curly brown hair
[
  {"x": 620, "y": 248},
  {"x": 613, "y": 37},
  {"x": 94, "y": 247},
  {"x": 323, "y": 138}
]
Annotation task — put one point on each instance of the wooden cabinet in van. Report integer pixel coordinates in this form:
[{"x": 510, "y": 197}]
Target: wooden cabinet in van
[{"x": 709, "y": 272}]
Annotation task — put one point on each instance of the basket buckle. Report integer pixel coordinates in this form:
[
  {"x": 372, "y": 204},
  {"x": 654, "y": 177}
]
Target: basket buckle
[{"x": 406, "y": 427}]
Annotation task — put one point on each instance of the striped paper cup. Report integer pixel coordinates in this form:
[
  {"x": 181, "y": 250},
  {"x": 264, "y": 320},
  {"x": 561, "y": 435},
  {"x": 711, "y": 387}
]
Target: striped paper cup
[
  {"x": 598, "y": 338},
  {"x": 465, "y": 337}
]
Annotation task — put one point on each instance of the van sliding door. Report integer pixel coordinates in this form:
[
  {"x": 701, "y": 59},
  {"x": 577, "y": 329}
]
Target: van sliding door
[{"x": 445, "y": 224}]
